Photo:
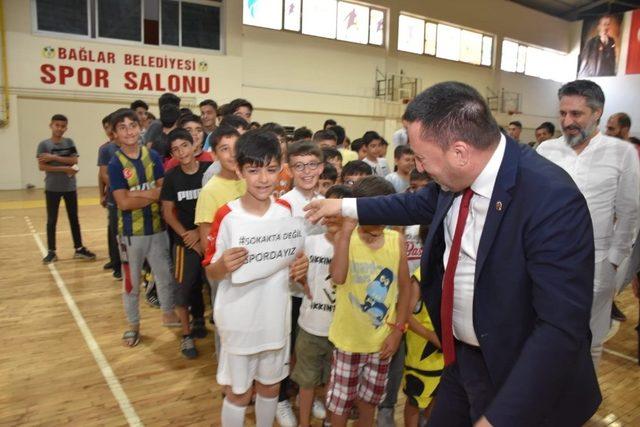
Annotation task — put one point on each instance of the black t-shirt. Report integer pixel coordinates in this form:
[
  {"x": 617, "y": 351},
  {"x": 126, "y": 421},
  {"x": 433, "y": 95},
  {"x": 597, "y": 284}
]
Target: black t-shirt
[{"x": 183, "y": 190}]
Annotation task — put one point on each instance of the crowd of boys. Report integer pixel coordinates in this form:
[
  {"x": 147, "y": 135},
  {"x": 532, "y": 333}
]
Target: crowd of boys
[{"x": 176, "y": 187}]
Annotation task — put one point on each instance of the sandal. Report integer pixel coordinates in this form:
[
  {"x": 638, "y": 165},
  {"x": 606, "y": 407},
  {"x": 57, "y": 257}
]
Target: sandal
[{"x": 131, "y": 338}]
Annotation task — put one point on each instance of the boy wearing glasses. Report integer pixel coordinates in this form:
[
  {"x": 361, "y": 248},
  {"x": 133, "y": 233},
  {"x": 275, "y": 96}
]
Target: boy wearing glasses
[{"x": 305, "y": 161}]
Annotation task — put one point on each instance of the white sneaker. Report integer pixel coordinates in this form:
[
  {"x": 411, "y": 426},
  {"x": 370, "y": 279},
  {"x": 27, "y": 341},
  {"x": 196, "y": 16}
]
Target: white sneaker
[
  {"x": 318, "y": 410},
  {"x": 285, "y": 415}
]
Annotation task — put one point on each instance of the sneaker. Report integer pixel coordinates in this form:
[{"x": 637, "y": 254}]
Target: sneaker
[
  {"x": 385, "y": 417},
  {"x": 117, "y": 274},
  {"x": 617, "y": 314},
  {"x": 51, "y": 257},
  {"x": 318, "y": 410},
  {"x": 198, "y": 329},
  {"x": 84, "y": 253},
  {"x": 152, "y": 299},
  {"x": 285, "y": 415},
  {"x": 188, "y": 347},
  {"x": 108, "y": 266}
]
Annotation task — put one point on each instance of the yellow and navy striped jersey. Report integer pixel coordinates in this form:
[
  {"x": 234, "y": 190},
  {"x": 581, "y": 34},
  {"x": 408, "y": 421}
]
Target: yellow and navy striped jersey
[{"x": 136, "y": 175}]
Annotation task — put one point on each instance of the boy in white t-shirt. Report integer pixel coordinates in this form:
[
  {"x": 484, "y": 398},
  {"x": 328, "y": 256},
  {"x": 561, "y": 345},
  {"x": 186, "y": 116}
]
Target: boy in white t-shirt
[
  {"x": 313, "y": 349},
  {"x": 305, "y": 161},
  {"x": 252, "y": 318},
  {"x": 372, "y": 142}
]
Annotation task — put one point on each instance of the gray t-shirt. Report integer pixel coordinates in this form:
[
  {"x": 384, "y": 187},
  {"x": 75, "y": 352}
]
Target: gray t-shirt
[{"x": 58, "y": 181}]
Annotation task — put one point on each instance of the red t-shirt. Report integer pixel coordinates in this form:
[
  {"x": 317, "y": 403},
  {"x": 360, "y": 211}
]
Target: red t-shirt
[{"x": 203, "y": 157}]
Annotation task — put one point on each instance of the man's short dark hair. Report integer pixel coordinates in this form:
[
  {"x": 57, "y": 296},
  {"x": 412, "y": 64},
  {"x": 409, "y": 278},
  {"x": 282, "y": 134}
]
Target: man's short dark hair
[
  {"x": 414, "y": 175},
  {"x": 59, "y": 118},
  {"x": 634, "y": 140},
  {"x": 275, "y": 128},
  {"x": 331, "y": 153},
  {"x": 357, "y": 144},
  {"x": 340, "y": 133},
  {"x": 168, "y": 98},
  {"x": 586, "y": 88},
  {"x": 235, "y": 121},
  {"x": 176, "y": 134},
  {"x": 624, "y": 121},
  {"x": 186, "y": 118},
  {"x": 453, "y": 111},
  {"x": 237, "y": 103},
  {"x": 222, "y": 131},
  {"x": 302, "y": 133},
  {"x": 548, "y": 126},
  {"x": 120, "y": 114},
  {"x": 516, "y": 123},
  {"x": 402, "y": 150},
  {"x": 106, "y": 120},
  {"x": 323, "y": 135},
  {"x": 257, "y": 148},
  {"x": 223, "y": 110},
  {"x": 370, "y": 136},
  {"x": 329, "y": 122},
  {"x": 329, "y": 172},
  {"x": 338, "y": 192},
  {"x": 372, "y": 186},
  {"x": 209, "y": 102},
  {"x": 304, "y": 148},
  {"x": 356, "y": 167},
  {"x": 138, "y": 103},
  {"x": 169, "y": 115}
]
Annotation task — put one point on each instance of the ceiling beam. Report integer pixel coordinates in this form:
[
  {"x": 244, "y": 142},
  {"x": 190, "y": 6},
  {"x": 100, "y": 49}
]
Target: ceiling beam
[{"x": 573, "y": 14}]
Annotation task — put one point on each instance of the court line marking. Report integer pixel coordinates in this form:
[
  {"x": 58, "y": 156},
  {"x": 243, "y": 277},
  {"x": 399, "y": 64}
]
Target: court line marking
[
  {"x": 621, "y": 355},
  {"x": 88, "y": 230},
  {"x": 112, "y": 381}
]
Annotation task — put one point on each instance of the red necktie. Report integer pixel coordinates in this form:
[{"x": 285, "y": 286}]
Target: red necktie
[{"x": 446, "y": 307}]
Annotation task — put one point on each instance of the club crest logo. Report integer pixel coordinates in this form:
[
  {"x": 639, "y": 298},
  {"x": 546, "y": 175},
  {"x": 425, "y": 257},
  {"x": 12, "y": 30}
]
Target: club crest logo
[
  {"x": 128, "y": 173},
  {"x": 48, "y": 52},
  {"x": 203, "y": 66}
]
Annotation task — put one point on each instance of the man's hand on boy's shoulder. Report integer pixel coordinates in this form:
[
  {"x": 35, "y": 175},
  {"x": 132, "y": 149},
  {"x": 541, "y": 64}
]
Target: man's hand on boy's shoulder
[
  {"x": 299, "y": 267},
  {"x": 391, "y": 344},
  {"x": 233, "y": 258}
]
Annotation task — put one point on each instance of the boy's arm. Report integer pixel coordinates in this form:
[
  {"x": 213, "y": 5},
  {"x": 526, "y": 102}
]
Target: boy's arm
[
  {"x": 127, "y": 202},
  {"x": 339, "y": 266},
  {"x": 391, "y": 343},
  {"x": 416, "y": 326},
  {"x": 48, "y": 168},
  {"x": 204, "y": 216},
  {"x": 48, "y": 157},
  {"x": 102, "y": 189},
  {"x": 231, "y": 260},
  {"x": 152, "y": 195}
]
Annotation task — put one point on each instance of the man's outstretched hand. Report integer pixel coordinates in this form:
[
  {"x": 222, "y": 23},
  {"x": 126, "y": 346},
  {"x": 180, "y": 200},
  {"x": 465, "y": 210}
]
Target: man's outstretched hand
[{"x": 319, "y": 209}]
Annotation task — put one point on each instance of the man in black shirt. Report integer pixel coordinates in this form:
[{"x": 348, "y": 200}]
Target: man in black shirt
[{"x": 180, "y": 191}]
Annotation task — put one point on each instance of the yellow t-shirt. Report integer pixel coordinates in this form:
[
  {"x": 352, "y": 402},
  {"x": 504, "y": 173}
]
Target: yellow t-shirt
[
  {"x": 421, "y": 354},
  {"x": 366, "y": 302},
  {"x": 347, "y": 155},
  {"x": 216, "y": 193}
]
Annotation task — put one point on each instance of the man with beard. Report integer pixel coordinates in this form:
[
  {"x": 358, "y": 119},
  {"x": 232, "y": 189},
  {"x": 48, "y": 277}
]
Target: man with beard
[
  {"x": 607, "y": 173},
  {"x": 619, "y": 125}
]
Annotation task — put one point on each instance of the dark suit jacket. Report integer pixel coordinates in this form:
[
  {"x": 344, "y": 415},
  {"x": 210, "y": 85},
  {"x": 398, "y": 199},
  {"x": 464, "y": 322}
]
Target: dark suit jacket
[{"x": 533, "y": 286}]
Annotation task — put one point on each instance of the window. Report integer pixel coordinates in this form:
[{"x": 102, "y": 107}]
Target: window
[
  {"x": 120, "y": 19},
  {"x": 292, "y": 15},
  {"x": 186, "y": 23},
  {"x": 71, "y": 17},
  {"x": 319, "y": 18},
  {"x": 332, "y": 19},
  {"x": 263, "y": 13},
  {"x": 534, "y": 61},
  {"x": 418, "y": 35}
]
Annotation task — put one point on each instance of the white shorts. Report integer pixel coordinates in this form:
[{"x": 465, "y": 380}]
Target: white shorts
[{"x": 240, "y": 371}]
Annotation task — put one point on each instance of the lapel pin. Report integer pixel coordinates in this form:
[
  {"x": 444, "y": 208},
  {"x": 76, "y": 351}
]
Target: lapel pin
[{"x": 498, "y": 206}]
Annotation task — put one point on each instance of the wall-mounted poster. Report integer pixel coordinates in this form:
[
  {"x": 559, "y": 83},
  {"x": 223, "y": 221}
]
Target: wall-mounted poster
[
  {"x": 600, "y": 48},
  {"x": 633, "y": 57}
]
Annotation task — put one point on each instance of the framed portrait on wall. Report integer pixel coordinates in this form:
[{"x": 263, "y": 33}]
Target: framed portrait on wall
[
  {"x": 633, "y": 55},
  {"x": 600, "y": 47}
]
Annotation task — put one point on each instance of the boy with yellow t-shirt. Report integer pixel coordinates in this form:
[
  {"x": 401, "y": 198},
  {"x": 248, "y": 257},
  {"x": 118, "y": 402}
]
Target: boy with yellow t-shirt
[{"x": 370, "y": 270}]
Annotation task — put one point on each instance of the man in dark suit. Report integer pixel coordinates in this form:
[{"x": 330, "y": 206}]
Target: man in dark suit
[{"x": 507, "y": 267}]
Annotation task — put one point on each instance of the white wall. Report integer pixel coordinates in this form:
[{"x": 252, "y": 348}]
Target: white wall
[{"x": 290, "y": 78}]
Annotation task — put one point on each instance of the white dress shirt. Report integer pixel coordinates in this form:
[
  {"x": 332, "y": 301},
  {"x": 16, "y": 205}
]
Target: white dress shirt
[
  {"x": 607, "y": 172},
  {"x": 464, "y": 280}
]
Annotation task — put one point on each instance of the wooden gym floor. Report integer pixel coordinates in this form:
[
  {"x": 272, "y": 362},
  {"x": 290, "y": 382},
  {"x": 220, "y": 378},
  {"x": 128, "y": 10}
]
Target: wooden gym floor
[{"x": 63, "y": 363}]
